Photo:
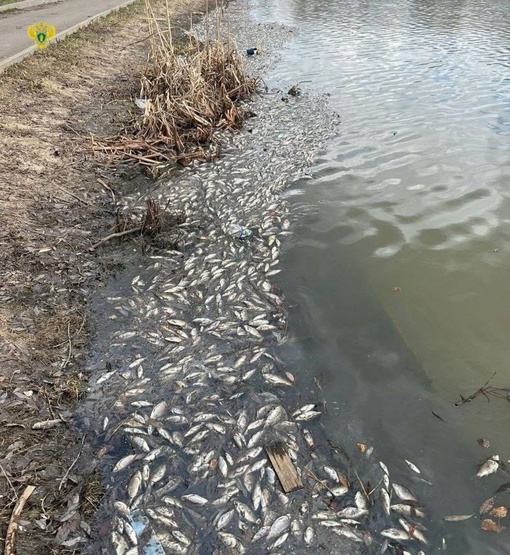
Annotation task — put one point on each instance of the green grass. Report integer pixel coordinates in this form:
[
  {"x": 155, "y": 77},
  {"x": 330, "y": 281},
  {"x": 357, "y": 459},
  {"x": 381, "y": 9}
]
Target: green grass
[{"x": 5, "y": 2}]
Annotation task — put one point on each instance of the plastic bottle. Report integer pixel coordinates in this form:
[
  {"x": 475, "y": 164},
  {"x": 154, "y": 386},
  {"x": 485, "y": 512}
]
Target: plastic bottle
[{"x": 239, "y": 231}]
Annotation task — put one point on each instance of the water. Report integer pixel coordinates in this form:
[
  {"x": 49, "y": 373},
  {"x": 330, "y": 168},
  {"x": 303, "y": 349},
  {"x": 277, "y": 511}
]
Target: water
[{"x": 397, "y": 280}]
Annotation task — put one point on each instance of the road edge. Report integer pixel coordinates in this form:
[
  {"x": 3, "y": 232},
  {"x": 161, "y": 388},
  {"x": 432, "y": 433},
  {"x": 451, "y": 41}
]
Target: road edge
[{"x": 59, "y": 36}]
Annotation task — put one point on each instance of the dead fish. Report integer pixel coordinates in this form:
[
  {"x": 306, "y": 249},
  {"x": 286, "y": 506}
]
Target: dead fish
[
  {"x": 134, "y": 484},
  {"x": 457, "y": 518},
  {"x": 385, "y": 468},
  {"x": 407, "y": 510},
  {"x": 361, "y": 501},
  {"x": 412, "y": 531},
  {"x": 309, "y": 535},
  {"x": 158, "y": 410},
  {"x": 279, "y": 526},
  {"x": 403, "y": 493},
  {"x": 385, "y": 502},
  {"x": 124, "y": 462},
  {"x": 195, "y": 499},
  {"x": 280, "y": 541},
  {"x": 412, "y": 466},
  {"x": 395, "y": 534},
  {"x": 261, "y": 533},
  {"x": 352, "y": 512},
  {"x": 348, "y": 533},
  {"x": 223, "y": 519},
  {"x": 488, "y": 467},
  {"x": 231, "y": 541},
  {"x": 338, "y": 491}
]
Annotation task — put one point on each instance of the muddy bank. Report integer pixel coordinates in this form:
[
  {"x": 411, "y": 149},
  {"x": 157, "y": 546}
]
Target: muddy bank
[{"x": 56, "y": 201}]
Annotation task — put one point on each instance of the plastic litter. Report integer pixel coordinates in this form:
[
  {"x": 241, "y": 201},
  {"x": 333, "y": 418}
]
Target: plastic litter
[
  {"x": 141, "y": 103},
  {"x": 236, "y": 230},
  {"x": 153, "y": 547},
  {"x": 252, "y": 51}
]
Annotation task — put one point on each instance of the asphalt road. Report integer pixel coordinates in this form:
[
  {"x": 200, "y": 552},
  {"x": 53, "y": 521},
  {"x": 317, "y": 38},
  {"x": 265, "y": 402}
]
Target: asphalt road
[{"x": 63, "y": 15}]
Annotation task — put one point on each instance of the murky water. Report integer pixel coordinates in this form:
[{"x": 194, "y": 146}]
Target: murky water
[{"x": 398, "y": 278}]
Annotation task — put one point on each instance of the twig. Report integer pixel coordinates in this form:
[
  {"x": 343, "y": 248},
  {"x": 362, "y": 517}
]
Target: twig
[
  {"x": 64, "y": 478},
  {"x": 137, "y": 41},
  {"x": 10, "y": 536},
  {"x": 73, "y": 195},
  {"x": 113, "y": 235},
  {"x": 477, "y": 392},
  {"x": 373, "y": 489},
  {"x": 361, "y": 484},
  {"x": 107, "y": 187},
  {"x": 321, "y": 482},
  {"x": 70, "y": 350},
  {"x": 9, "y": 482}
]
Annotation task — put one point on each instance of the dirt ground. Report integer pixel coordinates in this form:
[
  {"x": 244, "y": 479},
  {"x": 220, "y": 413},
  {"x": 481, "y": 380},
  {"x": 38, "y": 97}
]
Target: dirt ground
[{"x": 56, "y": 200}]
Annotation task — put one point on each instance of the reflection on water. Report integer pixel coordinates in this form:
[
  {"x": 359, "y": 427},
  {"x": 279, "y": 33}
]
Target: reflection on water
[{"x": 401, "y": 276}]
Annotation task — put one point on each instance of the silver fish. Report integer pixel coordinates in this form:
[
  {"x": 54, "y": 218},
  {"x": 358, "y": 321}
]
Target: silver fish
[
  {"x": 403, "y": 493},
  {"x": 395, "y": 534},
  {"x": 489, "y": 466}
]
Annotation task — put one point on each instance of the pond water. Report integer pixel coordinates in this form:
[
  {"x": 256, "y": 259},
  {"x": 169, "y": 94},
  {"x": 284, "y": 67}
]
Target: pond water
[{"x": 397, "y": 277}]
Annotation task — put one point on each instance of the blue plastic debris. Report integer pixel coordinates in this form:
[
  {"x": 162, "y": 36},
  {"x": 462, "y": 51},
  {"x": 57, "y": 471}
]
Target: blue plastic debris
[
  {"x": 252, "y": 51},
  {"x": 153, "y": 547}
]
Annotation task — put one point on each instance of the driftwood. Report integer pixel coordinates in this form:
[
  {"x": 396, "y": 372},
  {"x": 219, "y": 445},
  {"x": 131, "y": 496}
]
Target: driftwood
[
  {"x": 10, "y": 536},
  {"x": 114, "y": 235},
  {"x": 284, "y": 468}
]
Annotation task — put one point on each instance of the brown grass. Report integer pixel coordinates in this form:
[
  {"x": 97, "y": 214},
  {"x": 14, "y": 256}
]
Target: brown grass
[{"x": 188, "y": 95}]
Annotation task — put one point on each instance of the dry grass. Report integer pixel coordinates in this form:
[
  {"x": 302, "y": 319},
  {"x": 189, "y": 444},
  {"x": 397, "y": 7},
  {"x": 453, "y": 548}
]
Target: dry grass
[{"x": 188, "y": 94}]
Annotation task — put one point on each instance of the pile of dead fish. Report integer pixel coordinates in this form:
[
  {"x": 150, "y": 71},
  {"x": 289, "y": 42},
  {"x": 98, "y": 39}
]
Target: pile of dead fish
[{"x": 200, "y": 390}]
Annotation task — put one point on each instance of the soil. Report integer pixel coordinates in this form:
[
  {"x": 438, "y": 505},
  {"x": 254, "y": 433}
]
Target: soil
[{"x": 56, "y": 201}]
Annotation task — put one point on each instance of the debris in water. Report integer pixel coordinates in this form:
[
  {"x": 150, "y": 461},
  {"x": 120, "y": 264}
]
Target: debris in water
[
  {"x": 488, "y": 467},
  {"x": 283, "y": 467},
  {"x": 488, "y": 525},
  {"x": 486, "y": 506},
  {"x": 484, "y": 443},
  {"x": 499, "y": 512},
  {"x": 457, "y": 518}
]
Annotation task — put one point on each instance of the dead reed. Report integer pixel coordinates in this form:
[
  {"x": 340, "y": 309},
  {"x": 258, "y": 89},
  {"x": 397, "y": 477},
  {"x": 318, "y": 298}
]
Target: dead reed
[{"x": 186, "y": 94}]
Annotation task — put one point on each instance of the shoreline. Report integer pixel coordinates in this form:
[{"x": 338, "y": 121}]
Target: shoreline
[
  {"x": 187, "y": 378},
  {"x": 186, "y": 389}
]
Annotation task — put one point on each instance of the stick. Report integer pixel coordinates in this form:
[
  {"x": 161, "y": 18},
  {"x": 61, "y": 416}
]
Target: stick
[
  {"x": 113, "y": 235},
  {"x": 321, "y": 482},
  {"x": 64, "y": 478},
  {"x": 9, "y": 482},
  {"x": 73, "y": 195},
  {"x": 473, "y": 395},
  {"x": 70, "y": 350},
  {"x": 10, "y": 536}
]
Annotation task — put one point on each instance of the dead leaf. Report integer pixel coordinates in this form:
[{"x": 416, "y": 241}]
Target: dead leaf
[
  {"x": 484, "y": 443},
  {"x": 362, "y": 447},
  {"x": 457, "y": 518},
  {"x": 499, "y": 512},
  {"x": 343, "y": 480},
  {"x": 487, "y": 505},
  {"x": 490, "y": 526}
]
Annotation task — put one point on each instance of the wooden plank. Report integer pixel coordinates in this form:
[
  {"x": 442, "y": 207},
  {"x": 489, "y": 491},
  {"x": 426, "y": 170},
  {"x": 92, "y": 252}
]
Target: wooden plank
[{"x": 284, "y": 468}]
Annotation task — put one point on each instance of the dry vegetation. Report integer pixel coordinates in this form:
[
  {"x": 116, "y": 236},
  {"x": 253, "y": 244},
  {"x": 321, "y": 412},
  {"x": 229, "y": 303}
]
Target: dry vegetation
[
  {"x": 55, "y": 203},
  {"x": 187, "y": 94}
]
